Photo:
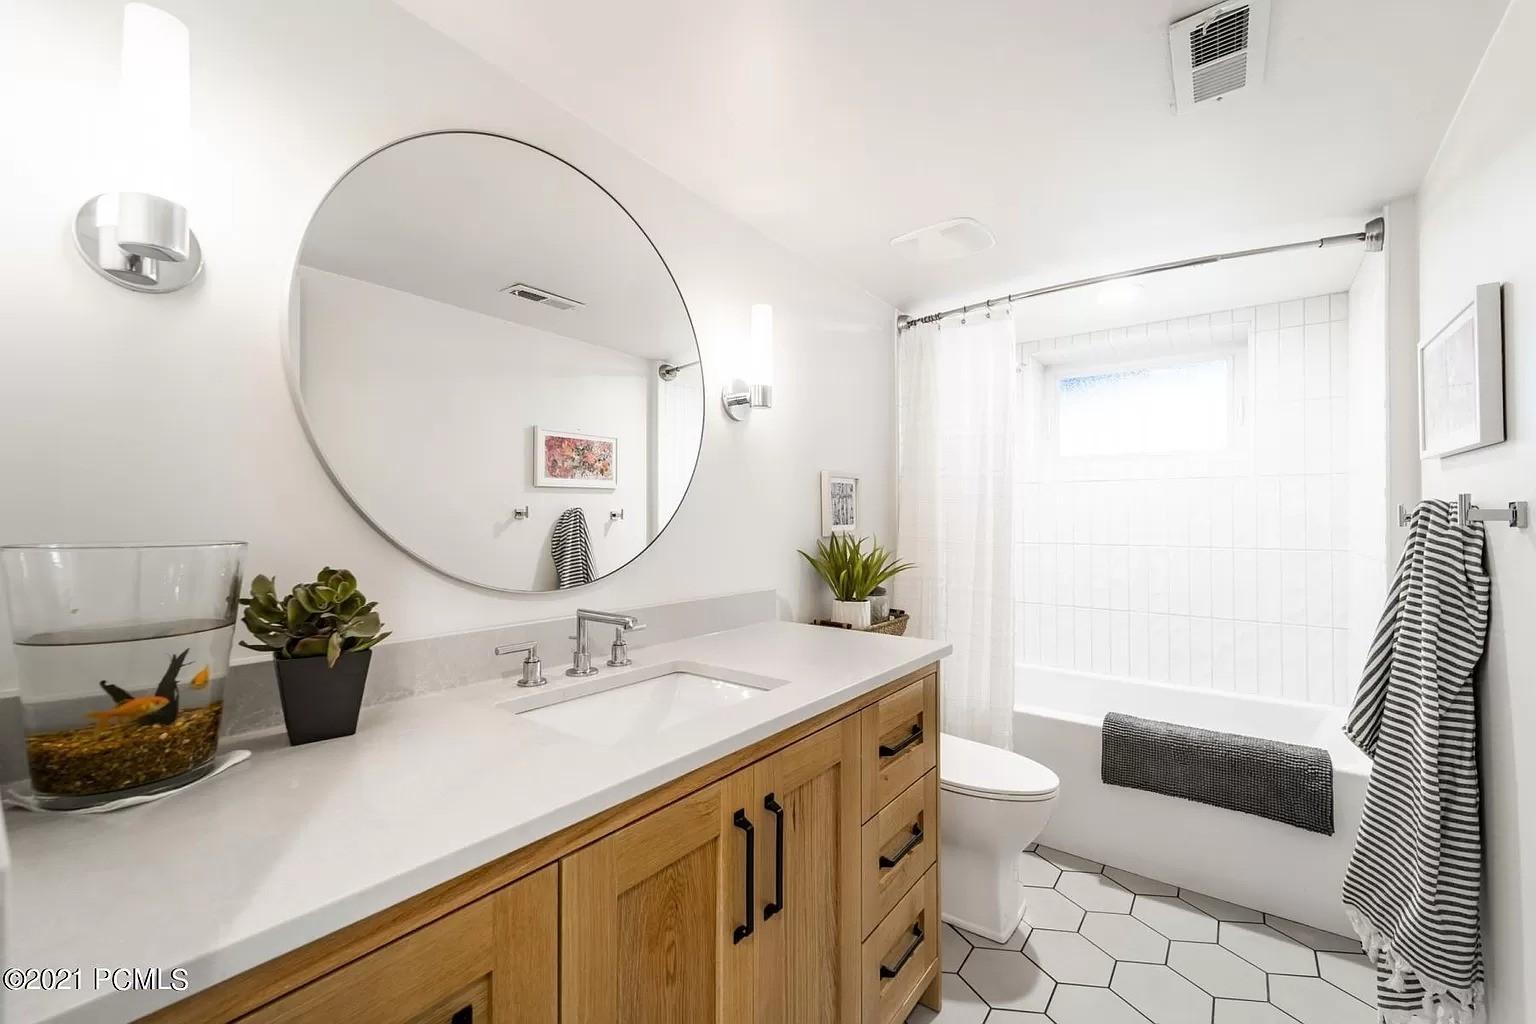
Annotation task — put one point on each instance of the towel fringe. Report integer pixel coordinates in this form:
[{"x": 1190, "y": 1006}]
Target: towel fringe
[{"x": 1443, "y": 1004}]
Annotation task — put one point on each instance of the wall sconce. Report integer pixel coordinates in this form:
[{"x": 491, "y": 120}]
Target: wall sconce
[
  {"x": 740, "y": 397},
  {"x": 138, "y": 238}
]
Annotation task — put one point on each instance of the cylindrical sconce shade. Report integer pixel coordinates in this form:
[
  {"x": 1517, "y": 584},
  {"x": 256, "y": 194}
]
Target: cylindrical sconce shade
[{"x": 154, "y": 103}]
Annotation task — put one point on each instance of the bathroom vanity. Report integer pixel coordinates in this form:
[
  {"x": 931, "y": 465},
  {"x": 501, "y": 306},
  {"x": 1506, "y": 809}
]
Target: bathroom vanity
[{"x": 470, "y": 857}]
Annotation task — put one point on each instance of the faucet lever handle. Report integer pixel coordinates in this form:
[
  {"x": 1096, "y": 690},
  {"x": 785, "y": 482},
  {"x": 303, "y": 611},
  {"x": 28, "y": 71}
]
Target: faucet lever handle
[{"x": 533, "y": 668}]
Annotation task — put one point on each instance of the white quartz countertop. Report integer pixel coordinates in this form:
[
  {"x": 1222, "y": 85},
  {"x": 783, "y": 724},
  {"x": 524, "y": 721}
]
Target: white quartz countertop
[{"x": 300, "y": 841}]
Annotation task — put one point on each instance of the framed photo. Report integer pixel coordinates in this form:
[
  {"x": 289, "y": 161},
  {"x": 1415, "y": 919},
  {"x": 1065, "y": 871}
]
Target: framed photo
[
  {"x": 1461, "y": 380},
  {"x": 839, "y": 503},
  {"x": 562, "y": 458}
]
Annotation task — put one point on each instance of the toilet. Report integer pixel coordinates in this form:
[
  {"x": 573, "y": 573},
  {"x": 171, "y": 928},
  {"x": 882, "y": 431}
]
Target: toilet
[{"x": 992, "y": 804}]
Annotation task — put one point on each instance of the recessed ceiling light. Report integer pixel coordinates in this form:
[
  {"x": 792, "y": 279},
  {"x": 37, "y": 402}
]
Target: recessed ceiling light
[
  {"x": 1119, "y": 293},
  {"x": 946, "y": 240}
]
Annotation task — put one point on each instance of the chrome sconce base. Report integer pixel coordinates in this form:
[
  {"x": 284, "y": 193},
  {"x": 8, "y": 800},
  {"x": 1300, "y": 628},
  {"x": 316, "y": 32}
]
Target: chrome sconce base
[
  {"x": 139, "y": 241},
  {"x": 739, "y": 398}
]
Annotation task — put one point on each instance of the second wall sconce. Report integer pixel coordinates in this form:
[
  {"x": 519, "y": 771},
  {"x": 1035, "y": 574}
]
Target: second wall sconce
[
  {"x": 139, "y": 239},
  {"x": 755, "y": 391}
]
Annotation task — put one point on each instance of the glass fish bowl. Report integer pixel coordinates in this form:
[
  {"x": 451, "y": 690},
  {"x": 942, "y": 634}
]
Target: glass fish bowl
[{"x": 122, "y": 653}]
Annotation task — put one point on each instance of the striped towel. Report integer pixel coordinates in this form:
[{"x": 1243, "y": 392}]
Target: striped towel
[
  {"x": 571, "y": 547},
  {"x": 1414, "y": 880}
]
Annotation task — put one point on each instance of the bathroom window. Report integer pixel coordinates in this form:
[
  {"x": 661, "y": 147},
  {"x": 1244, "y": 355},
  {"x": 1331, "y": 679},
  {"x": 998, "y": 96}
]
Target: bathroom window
[{"x": 1183, "y": 406}]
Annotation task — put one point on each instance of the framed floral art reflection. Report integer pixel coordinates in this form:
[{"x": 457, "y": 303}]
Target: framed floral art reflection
[{"x": 565, "y": 459}]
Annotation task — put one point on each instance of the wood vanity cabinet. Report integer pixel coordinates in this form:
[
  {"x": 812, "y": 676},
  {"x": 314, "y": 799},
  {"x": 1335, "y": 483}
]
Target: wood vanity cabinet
[{"x": 792, "y": 882}]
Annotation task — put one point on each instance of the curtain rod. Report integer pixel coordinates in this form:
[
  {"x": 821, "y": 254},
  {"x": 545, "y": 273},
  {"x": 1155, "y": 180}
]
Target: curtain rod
[{"x": 1373, "y": 236}]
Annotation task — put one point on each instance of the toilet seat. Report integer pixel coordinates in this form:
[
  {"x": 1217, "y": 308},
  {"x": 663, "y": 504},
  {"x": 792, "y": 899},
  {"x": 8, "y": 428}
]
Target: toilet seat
[{"x": 977, "y": 770}]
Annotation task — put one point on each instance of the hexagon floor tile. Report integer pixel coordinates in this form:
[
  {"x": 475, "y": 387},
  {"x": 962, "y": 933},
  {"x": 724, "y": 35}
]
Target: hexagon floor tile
[
  {"x": 1069, "y": 958},
  {"x": 1068, "y": 861},
  {"x": 1314, "y": 1001},
  {"x": 1074, "y": 1004},
  {"x": 1221, "y": 910},
  {"x": 1218, "y": 970},
  {"x": 1145, "y": 952},
  {"x": 1125, "y": 938},
  {"x": 1141, "y": 884},
  {"x": 1047, "y": 908},
  {"x": 1036, "y": 870},
  {"x": 1094, "y": 892},
  {"x": 1175, "y": 919},
  {"x": 1267, "y": 949},
  {"x": 1007, "y": 980},
  {"x": 1161, "y": 994}
]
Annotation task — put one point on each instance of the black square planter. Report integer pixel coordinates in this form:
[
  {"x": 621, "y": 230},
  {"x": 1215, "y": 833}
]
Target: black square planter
[{"x": 320, "y": 702}]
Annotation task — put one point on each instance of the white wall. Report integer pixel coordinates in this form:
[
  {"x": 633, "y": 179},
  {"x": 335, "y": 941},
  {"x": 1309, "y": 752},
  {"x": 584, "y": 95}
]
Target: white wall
[
  {"x": 1368, "y": 530},
  {"x": 1477, "y": 217},
  {"x": 1217, "y": 573},
  {"x": 134, "y": 417},
  {"x": 397, "y": 385}
]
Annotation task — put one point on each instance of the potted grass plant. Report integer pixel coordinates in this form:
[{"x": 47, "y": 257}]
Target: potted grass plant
[
  {"x": 320, "y": 636},
  {"x": 852, "y": 573}
]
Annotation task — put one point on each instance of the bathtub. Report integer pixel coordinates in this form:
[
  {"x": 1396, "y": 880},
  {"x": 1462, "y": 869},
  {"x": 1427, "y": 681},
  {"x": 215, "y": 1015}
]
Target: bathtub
[{"x": 1236, "y": 857}]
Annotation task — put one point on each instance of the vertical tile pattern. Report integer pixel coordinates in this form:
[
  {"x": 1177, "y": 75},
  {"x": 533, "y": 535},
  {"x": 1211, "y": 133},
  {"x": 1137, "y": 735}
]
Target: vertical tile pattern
[{"x": 1227, "y": 573}]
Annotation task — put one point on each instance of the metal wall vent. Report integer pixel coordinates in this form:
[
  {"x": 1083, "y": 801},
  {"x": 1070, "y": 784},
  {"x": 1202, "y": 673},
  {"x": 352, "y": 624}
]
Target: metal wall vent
[
  {"x": 1219, "y": 51},
  {"x": 543, "y": 297}
]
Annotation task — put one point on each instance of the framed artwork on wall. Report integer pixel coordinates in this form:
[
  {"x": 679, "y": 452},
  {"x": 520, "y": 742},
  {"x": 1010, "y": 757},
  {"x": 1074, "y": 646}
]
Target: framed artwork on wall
[
  {"x": 562, "y": 458},
  {"x": 1461, "y": 379},
  {"x": 839, "y": 503}
]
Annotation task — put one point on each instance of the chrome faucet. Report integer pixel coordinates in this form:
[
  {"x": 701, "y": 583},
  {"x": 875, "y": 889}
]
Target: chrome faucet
[
  {"x": 581, "y": 657},
  {"x": 533, "y": 668}
]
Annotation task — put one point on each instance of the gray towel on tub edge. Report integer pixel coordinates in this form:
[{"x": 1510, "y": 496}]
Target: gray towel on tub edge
[{"x": 1284, "y": 782}]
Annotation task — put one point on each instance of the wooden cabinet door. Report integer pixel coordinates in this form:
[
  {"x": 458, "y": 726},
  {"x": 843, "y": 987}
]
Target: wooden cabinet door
[
  {"x": 491, "y": 962},
  {"x": 808, "y": 799},
  {"x": 650, "y": 915}
]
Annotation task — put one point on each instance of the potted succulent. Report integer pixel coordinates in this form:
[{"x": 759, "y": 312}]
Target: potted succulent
[
  {"x": 853, "y": 573},
  {"x": 319, "y": 636}
]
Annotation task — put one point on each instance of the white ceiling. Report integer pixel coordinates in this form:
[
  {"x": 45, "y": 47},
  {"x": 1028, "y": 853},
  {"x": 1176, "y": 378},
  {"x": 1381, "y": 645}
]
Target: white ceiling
[
  {"x": 836, "y": 126},
  {"x": 457, "y": 217}
]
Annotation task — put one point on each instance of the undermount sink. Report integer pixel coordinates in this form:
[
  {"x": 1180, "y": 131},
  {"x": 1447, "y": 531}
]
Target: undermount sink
[{"x": 624, "y": 710}]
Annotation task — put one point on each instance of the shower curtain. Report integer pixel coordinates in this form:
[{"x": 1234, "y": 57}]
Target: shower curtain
[{"x": 955, "y": 516}]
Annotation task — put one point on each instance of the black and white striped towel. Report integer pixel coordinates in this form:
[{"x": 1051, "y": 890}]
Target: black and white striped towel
[
  {"x": 1415, "y": 878},
  {"x": 571, "y": 547}
]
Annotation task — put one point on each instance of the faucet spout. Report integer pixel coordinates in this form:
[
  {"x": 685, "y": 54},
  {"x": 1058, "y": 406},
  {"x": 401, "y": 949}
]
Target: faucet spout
[{"x": 581, "y": 657}]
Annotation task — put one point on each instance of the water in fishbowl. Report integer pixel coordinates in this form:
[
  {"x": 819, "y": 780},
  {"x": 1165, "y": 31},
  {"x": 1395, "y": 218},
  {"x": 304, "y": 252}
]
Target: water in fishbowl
[{"x": 122, "y": 711}]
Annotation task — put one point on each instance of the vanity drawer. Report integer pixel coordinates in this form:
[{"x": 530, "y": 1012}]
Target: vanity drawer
[
  {"x": 900, "y": 738},
  {"x": 899, "y": 844},
  {"x": 901, "y": 956}
]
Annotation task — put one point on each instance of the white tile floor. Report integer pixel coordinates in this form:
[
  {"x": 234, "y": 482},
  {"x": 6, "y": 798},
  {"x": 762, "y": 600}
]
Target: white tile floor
[{"x": 1105, "y": 946}]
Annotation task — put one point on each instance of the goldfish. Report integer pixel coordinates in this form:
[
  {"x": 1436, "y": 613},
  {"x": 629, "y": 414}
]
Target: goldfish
[
  {"x": 127, "y": 711},
  {"x": 201, "y": 679}
]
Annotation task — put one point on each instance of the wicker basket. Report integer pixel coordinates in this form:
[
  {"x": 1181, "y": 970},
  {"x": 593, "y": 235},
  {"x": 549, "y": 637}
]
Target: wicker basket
[{"x": 895, "y": 625}]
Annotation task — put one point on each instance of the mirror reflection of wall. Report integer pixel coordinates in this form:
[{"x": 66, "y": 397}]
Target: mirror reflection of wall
[{"x": 481, "y": 329}]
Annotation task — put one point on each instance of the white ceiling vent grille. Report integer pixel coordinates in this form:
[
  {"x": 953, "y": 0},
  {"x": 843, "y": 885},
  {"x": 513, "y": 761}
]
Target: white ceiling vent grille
[
  {"x": 539, "y": 295},
  {"x": 1219, "y": 51}
]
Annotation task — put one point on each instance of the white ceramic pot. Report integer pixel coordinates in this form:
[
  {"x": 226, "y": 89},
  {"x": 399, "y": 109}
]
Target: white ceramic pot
[{"x": 851, "y": 613}]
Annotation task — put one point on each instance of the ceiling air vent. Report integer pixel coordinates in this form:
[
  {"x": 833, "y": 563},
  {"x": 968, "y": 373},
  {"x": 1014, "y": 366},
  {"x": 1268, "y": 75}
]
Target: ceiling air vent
[
  {"x": 542, "y": 297},
  {"x": 1218, "y": 52}
]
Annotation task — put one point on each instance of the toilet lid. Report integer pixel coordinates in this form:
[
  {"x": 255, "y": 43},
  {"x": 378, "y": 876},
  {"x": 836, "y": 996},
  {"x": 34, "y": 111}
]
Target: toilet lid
[{"x": 966, "y": 766}]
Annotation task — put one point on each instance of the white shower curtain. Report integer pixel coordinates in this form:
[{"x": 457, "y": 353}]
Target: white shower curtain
[{"x": 957, "y": 413}]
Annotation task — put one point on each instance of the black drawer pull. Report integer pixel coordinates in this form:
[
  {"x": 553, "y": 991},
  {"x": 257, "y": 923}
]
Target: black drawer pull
[
  {"x": 744, "y": 823},
  {"x": 464, "y": 1016},
  {"x": 911, "y": 738},
  {"x": 773, "y": 906},
  {"x": 906, "y": 954},
  {"x": 906, "y": 848}
]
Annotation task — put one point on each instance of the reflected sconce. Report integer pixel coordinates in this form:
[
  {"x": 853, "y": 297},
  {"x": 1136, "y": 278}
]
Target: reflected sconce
[
  {"x": 741, "y": 396},
  {"x": 137, "y": 237}
]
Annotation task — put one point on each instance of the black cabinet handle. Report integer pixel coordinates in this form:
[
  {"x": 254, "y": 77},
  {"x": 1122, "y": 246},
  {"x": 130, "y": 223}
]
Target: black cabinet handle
[
  {"x": 906, "y": 954},
  {"x": 911, "y": 738},
  {"x": 906, "y": 848},
  {"x": 744, "y": 823},
  {"x": 464, "y": 1016},
  {"x": 776, "y": 904}
]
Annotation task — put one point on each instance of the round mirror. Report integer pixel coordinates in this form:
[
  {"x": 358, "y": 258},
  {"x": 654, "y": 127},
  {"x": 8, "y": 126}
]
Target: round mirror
[{"x": 494, "y": 362}]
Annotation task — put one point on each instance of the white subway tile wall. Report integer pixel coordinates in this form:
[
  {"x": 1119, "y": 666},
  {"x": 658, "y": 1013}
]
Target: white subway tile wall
[{"x": 1229, "y": 573}]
